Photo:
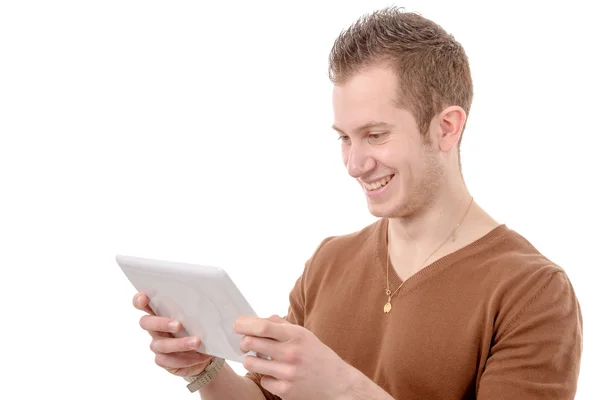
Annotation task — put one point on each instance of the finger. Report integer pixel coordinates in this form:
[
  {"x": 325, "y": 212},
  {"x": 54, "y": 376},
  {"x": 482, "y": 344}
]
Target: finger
[
  {"x": 276, "y": 369},
  {"x": 159, "y": 335},
  {"x": 141, "y": 302},
  {"x": 261, "y": 327},
  {"x": 275, "y": 386},
  {"x": 181, "y": 360},
  {"x": 263, "y": 346},
  {"x": 277, "y": 319},
  {"x": 171, "y": 345},
  {"x": 159, "y": 324}
]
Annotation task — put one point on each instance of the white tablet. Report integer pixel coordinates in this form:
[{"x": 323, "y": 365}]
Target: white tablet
[{"x": 203, "y": 298}]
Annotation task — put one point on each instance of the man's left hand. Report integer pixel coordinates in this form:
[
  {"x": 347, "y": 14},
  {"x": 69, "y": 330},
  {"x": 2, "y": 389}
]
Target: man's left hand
[{"x": 301, "y": 366}]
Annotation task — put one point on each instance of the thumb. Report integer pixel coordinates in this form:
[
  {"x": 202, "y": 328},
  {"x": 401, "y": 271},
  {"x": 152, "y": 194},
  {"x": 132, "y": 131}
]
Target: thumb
[{"x": 277, "y": 319}]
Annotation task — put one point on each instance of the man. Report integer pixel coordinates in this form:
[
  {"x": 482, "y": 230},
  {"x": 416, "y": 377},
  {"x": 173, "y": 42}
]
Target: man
[{"x": 435, "y": 300}]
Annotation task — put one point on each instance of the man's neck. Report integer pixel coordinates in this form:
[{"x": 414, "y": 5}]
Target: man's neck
[
  {"x": 412, "y": 239},
  {"x": 433, "y": 222}
]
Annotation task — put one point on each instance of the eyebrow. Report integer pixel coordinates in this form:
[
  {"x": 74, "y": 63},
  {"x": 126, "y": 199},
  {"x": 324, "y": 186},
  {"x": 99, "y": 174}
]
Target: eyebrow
[{"x": 368, "y": 125}]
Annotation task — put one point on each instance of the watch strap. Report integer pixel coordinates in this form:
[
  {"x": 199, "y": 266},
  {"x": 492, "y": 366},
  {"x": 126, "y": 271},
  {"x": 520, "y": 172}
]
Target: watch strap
[{"x": 197, "y": 382}]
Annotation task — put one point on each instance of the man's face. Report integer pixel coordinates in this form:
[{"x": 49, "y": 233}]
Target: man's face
[{"x": 382, "y": 147}]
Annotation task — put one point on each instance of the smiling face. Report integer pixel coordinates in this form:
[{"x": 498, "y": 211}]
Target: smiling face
[{"x": 382, "y": 147}]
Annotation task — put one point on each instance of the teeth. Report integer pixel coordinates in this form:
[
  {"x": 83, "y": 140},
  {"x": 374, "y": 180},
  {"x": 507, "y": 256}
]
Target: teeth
[{"x": 378, "y": 184}]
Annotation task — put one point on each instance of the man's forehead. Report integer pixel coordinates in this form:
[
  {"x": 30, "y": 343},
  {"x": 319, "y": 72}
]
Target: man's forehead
[{"x": 365, "y": 96}]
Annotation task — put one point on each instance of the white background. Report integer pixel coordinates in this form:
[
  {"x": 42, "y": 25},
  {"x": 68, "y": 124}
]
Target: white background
[{"x": 201, "y": 133}]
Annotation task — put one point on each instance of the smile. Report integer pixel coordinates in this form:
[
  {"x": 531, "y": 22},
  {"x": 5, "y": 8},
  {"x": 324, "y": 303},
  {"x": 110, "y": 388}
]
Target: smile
[{"x": 377, "y": 184}]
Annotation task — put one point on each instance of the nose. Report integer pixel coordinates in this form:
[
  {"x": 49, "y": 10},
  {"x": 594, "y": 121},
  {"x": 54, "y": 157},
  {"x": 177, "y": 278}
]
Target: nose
[{"x": 359, "y": 161}]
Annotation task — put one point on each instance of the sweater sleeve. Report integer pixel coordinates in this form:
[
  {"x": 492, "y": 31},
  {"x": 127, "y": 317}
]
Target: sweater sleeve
[{"x": 537, "y": 354}]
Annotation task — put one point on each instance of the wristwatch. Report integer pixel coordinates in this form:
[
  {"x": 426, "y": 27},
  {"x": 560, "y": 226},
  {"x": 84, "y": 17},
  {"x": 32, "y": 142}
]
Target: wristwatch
[{"x": 197, "y": 382}]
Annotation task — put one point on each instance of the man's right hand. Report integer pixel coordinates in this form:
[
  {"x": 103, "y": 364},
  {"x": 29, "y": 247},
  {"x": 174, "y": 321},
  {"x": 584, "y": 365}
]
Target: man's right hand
[{"x": 176, "y": 355}]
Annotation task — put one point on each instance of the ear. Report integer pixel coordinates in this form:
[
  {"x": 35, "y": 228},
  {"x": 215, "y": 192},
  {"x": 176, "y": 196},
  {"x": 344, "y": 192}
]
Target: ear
[{"x": 450, "y": 124}]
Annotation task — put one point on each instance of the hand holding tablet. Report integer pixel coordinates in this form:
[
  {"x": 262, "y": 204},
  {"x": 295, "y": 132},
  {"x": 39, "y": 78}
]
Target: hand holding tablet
[
  {"x": 208, "y": 305},
  {"x": 201, "y": 302},
  {"x": 179, "y": 356}
]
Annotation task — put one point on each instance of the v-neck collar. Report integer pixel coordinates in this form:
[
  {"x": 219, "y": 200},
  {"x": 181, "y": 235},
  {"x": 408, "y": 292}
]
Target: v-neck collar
[{"x": 381, "y": 258}]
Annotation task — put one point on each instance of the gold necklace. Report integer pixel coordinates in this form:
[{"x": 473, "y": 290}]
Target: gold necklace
[{"x": 388, "y": 306}]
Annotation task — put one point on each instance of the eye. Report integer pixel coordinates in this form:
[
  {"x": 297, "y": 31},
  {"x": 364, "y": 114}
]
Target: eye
[
  {"x": 344, "y": 138},
  {"x": 378, "y": 136}
]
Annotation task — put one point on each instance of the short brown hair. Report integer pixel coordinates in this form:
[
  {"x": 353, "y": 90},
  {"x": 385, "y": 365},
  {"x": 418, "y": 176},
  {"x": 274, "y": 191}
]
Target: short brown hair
[{"x": 431, "y": 65}]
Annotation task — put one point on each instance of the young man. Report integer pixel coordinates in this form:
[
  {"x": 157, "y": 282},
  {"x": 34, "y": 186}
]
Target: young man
[{"x": 435, "y": 300}]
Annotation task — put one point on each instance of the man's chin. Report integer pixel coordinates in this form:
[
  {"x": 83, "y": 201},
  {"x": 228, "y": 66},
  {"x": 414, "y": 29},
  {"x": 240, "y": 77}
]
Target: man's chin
[{"x": 379, "y": 210}]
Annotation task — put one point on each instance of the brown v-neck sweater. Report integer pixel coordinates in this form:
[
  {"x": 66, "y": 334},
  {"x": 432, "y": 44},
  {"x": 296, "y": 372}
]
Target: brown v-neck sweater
[{"x": 493, "y": 320}]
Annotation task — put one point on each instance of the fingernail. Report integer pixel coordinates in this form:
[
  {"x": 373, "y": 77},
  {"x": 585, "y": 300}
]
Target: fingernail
[
  {"x": 173, "y": 325},
  {"x": 192, "y": 342}
]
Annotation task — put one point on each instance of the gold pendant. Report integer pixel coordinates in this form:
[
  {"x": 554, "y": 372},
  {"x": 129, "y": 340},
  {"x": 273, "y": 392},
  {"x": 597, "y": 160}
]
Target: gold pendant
[{"x": 388, "y": 306}]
